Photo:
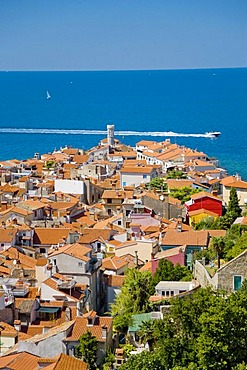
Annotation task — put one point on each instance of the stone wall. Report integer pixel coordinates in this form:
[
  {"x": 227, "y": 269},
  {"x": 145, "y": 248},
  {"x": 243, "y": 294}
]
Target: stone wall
[
  {"x": 236, "y": 267},
  {"x": 165, "y": 209},
  {"x": 201, "y": 275}
]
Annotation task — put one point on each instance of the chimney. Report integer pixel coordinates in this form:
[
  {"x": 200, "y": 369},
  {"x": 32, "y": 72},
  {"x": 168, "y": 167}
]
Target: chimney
[
  {"x": 179, "y": 224},
  {"x": 104, "y": 332},
  {"x": 17, "y": 325},
  {"x": 87, "y": 306}
]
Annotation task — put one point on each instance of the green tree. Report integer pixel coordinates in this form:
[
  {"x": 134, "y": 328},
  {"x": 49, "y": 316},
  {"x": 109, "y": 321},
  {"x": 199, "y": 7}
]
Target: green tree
[
  {"x": 241, "y": 366},
  {"x": 157, "y": 183},
  {"x": 147, "y": 333},
  {"x": 207, "y": 223},
  {"x": 184, "y": 193},
  {"x": 127, "y": 349},
  {"x": 50, "y": 164},
  {"x": 108, "y": 361},
  {"x": 224, "y": 222},
  {"x": 143, "y": 361},
  {"x": 202, "y": 331},
  {"x": 166, "y": 271},
  {"x": 175, "y": 174},
  {"x": 133, "y": 298},
  {"x": 238, "y": 247},
  {"x": 233, "y": 209},
  {"x": 87, "y": 349}
]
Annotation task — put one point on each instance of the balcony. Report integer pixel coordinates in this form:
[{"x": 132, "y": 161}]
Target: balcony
[
  {"x": 68, "y": 284},
  {"x": 20, "y": 291}
]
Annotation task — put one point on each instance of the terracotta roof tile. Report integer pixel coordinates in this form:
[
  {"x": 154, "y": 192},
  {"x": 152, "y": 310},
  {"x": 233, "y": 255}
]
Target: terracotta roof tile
[
  {"x": 80, "y": 327},
  {"x": 90, "y": 235},
  {"x": 116, "y": 280},
  {"x": 19, "y": 361},
  {"x": 34, "y": 330},
  {"x": 49, "y": 236},
  {"x": 177, "y": 183},
  {"x": 41, "y": 262},
  {"x": 13, "y": 254},
  {"x": 31, "y": 205},
  {"x": 33, "y": 291},
  {"x": 131, "y": 260},
  {"x": 117, "y": 194},
  {"x": 65, "y": 362},
  {"x": 5, "y": 271},
  {"x": 203, "y": 194},
  {"x": 141, "y": 169},
  {"x": 202, "y": 210},
  {"x": 228, "y": 180},
  {"x": 237, "y": 184},
  {"x": 76, "y": 250},
  {"x": 195, "y": 238},
  {"x": 217, "y": 233},
  {"x": 52, "y": 283},
  {"x": 147, "y": 266},
  {"x": 113, "y": 263},
  {"x": 7, "y": 235}
]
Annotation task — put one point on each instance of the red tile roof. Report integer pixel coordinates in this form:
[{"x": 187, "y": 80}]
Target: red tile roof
[
  {"x": 76, "y": 250},
  {"x": 195, "y": 238},
  {"x": 81, "y": 327},
  {"x": 113, "y": 263},
  {"x": 49, "y": 236}
]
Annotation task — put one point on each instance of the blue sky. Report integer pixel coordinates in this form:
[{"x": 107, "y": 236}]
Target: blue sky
[{"x": 122, "y": 34}]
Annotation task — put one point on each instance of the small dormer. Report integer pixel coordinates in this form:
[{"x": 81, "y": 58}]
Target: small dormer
[
  {"x": 90, "y": 316},
  {"x": 90, "y": 321}
]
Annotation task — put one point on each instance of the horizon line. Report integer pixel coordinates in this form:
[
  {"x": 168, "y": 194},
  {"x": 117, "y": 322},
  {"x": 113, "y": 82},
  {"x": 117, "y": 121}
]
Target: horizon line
[{"x": 122, "y": 70}]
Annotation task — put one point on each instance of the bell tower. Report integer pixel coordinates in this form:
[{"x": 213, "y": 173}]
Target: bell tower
[{"x": 110, "y": 135}]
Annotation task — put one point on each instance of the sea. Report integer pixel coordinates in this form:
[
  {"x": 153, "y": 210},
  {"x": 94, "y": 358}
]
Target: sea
[{"x": 153, "y": 105}]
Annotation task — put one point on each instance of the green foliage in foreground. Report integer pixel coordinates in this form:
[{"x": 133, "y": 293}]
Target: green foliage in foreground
[
  {"x": 138, "y": 287},
  {"x": 204, "y": 331},
  {"x": 87, "y": 349},
  {"x": 108, "y": 361},
  {"x": 133, "y": 298},
  {"x": 145, "y": 360}
]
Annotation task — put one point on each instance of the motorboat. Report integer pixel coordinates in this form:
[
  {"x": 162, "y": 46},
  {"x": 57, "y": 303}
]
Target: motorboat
[{"x": 213, "y": 134}]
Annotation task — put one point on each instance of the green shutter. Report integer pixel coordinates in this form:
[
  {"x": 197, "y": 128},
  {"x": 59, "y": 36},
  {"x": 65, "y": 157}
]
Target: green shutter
[{"x": 237, "y": 282}]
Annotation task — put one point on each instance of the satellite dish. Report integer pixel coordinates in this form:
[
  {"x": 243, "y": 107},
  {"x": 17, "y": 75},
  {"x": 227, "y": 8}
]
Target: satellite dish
[
  {"x": 14, "y": 262},
  {"x": 162, "y": 197}
]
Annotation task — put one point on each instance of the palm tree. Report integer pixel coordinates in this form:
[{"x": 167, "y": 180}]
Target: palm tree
[
  {"x": 146, "y": 333},
  {"x": 218, "y": 244}
]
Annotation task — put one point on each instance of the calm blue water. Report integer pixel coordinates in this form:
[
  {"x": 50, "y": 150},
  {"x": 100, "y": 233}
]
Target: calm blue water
[{"x": 184, "y": 101}]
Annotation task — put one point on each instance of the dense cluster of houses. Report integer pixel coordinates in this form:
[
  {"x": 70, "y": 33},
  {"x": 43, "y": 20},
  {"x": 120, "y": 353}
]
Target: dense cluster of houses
[{"x": 72, "y": 223}]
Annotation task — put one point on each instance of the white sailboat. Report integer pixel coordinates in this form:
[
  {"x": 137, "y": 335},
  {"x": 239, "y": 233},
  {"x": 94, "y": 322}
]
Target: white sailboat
[{"x": 48, "y": 96}]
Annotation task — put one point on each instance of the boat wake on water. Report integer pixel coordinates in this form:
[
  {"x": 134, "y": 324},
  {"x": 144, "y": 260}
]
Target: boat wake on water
[{"x": 102, "y": 132}]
